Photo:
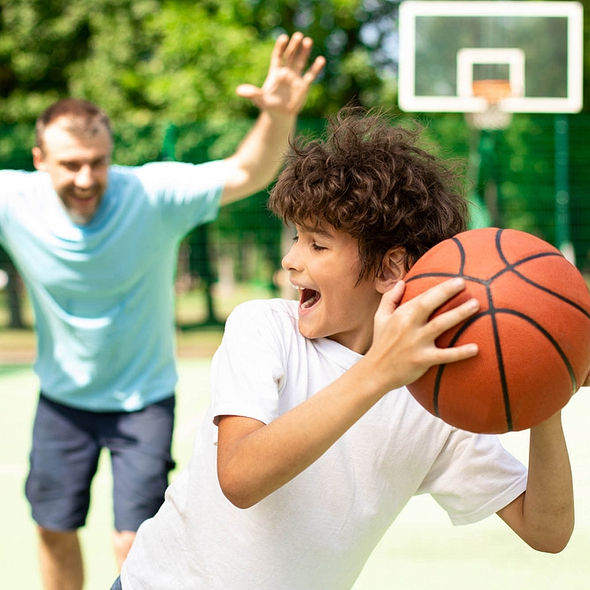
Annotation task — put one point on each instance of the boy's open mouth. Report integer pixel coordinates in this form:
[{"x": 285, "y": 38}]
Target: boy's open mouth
[{"x": 308, "y": 298}]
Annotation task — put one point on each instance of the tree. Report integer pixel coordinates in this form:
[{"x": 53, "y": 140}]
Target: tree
[{"x": 148, "y": 61}]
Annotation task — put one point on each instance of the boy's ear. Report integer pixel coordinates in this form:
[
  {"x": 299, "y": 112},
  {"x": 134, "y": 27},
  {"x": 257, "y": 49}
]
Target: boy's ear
[{"x": 392, "y": 269}]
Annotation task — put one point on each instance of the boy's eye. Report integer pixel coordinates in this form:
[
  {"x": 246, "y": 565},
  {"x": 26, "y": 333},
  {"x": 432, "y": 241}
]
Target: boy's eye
[{"x": 317, "y": 247}]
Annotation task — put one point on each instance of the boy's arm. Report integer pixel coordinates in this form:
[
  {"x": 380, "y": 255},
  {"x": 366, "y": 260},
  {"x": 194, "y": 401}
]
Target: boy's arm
[
  {"x": 254, "y": 459},
  {"x": 543, "y": 516},
  {"x": 281, "y": 97}
]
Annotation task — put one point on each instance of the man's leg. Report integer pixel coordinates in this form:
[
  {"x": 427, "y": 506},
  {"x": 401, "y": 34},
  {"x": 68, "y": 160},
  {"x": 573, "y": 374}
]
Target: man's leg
[
  {"x": 140, "y": 444},
  {"x": 63, "y": 458},
  {"x": 122, "y": 541},
  {"x": 61, "y": 560}
]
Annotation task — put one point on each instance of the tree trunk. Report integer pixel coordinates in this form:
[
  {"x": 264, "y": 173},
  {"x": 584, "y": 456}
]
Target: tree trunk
[{"x": 14, "y": 289}]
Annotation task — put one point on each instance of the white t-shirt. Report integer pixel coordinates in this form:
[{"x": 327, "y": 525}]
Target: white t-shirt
[{"x": 317, "y": 531}]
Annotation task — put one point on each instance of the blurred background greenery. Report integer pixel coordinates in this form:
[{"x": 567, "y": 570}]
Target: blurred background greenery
[{"x": 166, "y": 72}]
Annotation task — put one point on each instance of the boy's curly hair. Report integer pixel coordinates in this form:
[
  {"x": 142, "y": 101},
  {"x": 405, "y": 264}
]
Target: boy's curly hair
[{"x": 369, "y": 179}]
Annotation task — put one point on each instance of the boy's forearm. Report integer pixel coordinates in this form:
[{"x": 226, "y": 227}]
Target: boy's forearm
[
  {"x": 545, "y": 515},
  {"x": 549, "y": 500},
  {"x": 254, "y": 462}
]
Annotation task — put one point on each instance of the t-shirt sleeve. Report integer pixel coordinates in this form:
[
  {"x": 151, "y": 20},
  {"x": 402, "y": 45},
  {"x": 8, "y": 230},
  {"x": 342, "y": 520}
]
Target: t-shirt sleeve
[
  {"x": 247, "y": 371},
  {"x": 12, "y": 182},
  {"x": 186, "y": 195},
  {"x": 473, "y": 477}
]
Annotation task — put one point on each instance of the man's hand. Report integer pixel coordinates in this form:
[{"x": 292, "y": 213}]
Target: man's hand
[{"x": 286, "y": 86}]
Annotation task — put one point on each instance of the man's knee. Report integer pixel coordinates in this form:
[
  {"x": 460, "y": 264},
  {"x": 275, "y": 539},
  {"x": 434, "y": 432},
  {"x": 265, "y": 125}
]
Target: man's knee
[
  {"x": 122, "y": 541},
  {"x": 57, "y": 539}
]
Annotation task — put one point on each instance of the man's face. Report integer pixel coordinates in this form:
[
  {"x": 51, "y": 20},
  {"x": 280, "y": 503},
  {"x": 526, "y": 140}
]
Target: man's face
[{"x": 78, "y": 167}]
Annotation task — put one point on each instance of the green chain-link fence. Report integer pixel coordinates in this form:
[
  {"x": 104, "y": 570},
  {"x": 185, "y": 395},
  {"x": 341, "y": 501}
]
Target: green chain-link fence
[{"x": 533, "y": 176}]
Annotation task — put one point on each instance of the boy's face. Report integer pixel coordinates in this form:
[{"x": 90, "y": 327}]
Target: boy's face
[{"x": 324, "y": 266}]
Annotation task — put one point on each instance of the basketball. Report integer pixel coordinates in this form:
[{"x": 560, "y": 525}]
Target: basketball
[{"x": 532, "y": 329}]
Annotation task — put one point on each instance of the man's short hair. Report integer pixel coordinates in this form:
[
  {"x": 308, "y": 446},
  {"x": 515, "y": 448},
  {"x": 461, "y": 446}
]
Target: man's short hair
[
  {"x": 369, "y": 179},
  {"x": 82, "y": 119}
]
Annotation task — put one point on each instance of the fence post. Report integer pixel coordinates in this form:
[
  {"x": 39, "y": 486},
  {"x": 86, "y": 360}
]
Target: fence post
[{"x": 562, "y": 195}]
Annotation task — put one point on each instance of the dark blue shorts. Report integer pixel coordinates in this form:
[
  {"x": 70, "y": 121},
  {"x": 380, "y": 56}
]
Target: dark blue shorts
[{"x": 66, "y": 446}]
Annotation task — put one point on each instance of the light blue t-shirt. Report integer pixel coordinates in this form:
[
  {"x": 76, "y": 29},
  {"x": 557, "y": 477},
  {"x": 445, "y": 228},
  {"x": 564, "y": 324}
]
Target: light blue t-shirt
[{"x": 103, "y": 293}]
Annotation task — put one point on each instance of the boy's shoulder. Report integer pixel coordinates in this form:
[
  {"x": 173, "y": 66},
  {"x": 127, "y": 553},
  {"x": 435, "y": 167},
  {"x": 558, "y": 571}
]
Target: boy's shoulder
[
  {"x": 269, "y": 325},
  {"x": 275, "y": 322},
  {"x": 264, "y": 313}
]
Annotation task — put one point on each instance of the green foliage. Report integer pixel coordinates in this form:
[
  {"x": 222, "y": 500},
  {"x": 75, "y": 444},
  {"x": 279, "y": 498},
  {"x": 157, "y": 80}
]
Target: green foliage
[
  {"x": 166, "y": 72},
  {"x": 176, "y": 61}
]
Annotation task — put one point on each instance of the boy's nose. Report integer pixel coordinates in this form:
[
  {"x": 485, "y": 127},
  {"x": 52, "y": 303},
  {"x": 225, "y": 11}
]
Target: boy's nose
[{"x": 290, "y": 260}]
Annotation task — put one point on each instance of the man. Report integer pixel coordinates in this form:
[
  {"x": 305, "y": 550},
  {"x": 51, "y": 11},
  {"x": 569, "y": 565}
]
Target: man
[{"x": 96, "y": 245}]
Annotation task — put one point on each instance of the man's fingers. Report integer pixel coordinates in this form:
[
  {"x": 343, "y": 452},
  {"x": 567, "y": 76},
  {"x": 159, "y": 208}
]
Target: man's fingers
[
  {"x": 247, "y": 91},
  {"x": 314, "y": 71},
  {"x": 301, "y": 55},
  {"x": 297, "y": 47},
  {"x": 276, "y": 57}
]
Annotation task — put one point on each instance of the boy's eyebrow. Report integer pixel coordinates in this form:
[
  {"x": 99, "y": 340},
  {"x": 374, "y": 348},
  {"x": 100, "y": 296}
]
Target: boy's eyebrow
[{"x": 316, "y": 229}]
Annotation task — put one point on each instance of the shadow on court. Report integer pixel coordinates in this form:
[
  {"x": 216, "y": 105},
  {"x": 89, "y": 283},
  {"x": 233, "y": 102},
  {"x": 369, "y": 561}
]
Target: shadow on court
[{"x": 422, "y": 549}]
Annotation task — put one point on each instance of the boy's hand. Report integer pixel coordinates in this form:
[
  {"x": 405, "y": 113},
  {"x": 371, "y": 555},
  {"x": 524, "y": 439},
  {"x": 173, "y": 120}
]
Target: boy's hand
[{"x": 404, "y": 336}]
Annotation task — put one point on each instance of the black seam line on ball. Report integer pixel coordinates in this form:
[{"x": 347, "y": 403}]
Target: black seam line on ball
[
  {"x": 549, "y": 337},
  {"x": 553, "y": 293},
  {"x": 508, "y": 268},
  {"x": 512, "y": 267},
  {"x": 462, "y": 254},
  {"x": 498, "y": 348},
  {"x": 495, "y": 312}
]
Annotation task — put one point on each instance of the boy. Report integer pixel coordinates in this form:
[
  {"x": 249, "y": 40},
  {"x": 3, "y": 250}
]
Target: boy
[{"x": 313, "y": 445}]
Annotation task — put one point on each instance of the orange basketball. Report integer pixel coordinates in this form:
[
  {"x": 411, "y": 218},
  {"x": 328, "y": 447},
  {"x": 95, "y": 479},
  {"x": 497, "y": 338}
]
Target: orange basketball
[{"x": 532, "y": 329}]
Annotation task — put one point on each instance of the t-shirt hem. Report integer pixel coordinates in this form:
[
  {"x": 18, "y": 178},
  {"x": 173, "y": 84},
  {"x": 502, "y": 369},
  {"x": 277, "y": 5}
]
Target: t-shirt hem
[
  {"x": 499, "y": 502},
  {"x": 113, "y": 407},
  {"x": 219, "y": 411}
]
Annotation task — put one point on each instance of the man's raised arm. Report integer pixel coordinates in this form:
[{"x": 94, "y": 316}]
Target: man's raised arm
[{"x": 280, "y": 99}]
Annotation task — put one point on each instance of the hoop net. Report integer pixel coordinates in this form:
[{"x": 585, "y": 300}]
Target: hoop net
[{"x": 494, "y": 117}]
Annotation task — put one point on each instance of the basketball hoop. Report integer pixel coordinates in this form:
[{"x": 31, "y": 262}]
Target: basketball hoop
[{"x": 494, "y": 116}]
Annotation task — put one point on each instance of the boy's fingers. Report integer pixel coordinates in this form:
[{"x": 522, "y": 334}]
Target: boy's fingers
[
  {"x": 456, "y": 353},
  {"x": 451, "y": 318},
  {"x": 431, "y": 300},
  {"x": 392, "y": 298}
]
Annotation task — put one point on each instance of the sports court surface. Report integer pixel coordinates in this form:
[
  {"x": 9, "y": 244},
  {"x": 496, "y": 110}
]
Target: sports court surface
[{"x": 422, "y": 549}]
